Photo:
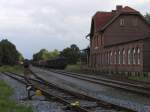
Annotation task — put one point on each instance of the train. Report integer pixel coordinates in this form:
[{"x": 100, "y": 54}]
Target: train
[{"x": 56, "y": 63}]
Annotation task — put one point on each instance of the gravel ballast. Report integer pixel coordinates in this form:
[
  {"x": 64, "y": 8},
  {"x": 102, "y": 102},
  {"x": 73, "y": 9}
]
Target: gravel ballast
[
  {"x": 122, "y": 98},
  {"x": 38, "y": 103}
]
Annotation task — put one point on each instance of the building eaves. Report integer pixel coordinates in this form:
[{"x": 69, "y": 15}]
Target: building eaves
[{"x": 146, "y": 37}]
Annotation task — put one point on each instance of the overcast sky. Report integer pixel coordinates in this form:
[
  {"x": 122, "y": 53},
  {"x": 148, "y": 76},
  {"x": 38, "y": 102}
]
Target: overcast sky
[{"x": 53, "y": 24}]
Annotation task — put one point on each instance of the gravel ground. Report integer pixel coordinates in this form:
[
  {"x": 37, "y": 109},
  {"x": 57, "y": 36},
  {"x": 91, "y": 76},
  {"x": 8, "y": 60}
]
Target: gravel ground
[
  {"x": 126, "y": 99},
  {"x": 38, "y": 103}
]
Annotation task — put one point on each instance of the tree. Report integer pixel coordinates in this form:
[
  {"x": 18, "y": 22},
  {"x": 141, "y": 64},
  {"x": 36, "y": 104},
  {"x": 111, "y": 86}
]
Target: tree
[
  {"x": 1, "y": 55},
  {"x": 8, "y": 53},
  {"x": 21, "y": 58},
  {"x": 72, "y": 53},
  {"x": 41, "y": 55},
  {"x": 54, "y": 54},
  {"x": 44, "y": 54},
  {"x": 147, "y": 17}
]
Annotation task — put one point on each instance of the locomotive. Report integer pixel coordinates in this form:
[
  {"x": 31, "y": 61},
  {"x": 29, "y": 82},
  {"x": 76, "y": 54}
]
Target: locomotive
[{"x": 56, "y": 63}]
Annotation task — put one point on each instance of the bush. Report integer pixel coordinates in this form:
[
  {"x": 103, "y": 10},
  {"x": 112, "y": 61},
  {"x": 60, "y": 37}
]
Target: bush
[
  {"x": 74, "y": 68},
  {"x": 15, "y": 68},
  {"x": 7, "y": 105}
]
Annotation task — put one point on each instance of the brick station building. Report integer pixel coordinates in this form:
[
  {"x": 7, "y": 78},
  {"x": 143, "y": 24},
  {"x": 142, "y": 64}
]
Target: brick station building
[{"x": 119, "y": 41}]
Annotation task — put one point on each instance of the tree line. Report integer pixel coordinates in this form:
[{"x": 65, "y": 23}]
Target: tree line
[
  {"x": 72, "y": 54},
  {"x": 9, "y": 55},
  {"x": 44, "y": 54}
]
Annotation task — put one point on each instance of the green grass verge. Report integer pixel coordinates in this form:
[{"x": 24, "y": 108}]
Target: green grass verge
[
  {"x": 7, "y": 105},
  {"x": 16, "y": 68},
  {"x": 140, "y": 78},
  {"x": 73, "y": 68}
]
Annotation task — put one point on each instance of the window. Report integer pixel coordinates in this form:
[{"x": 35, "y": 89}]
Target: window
[
  {"x": 134, "y": 56},
  {"x": 138, "y": 56},
  {"x": 96, "y": 42},
  {"x": 111, "y": 61},
  {"x": 123, "y": 57},
  {"x": 105, "y": 58},
  {"x": 92, "y": 60},
  {"x": 97, "y": 39},
  {"x": 95, "y": 60},
  {"x": 108, "y": 56},
  {"x": 129, "y": 56},
  {"x": 121, "y": 22},
  {"x": 115, "y": 57},
  {"x": 119, "y": 57},
  {"x": 99, "y": 59},
  {"x": 135, "y": 22},
  {"x": 102, "y": 59},
  {"x": 93, "y": 42}
]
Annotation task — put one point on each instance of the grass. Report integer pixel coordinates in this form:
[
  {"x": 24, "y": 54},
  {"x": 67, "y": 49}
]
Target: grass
[
  {"x": 73, "y": 68},
  {"x": 16, "y": 68},
  {"x": 140, "y": 78},
  {"x": 77, "y": 68},
  {"x": 7, "y": 105}
]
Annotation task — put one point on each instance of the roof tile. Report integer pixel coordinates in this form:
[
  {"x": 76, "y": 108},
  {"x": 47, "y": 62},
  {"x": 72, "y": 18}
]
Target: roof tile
[
  {"x": 102, "y": 18},
  {"x": 128, "y": 9}
]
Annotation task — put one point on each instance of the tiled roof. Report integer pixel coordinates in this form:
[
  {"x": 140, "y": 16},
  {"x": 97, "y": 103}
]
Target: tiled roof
[
  {"x": 128, "y": 9},
  {"x": 103, "y": 18}
]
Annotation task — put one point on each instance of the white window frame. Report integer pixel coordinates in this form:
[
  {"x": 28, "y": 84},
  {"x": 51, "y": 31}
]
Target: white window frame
[
  {"x": 138, "y": 56},
  {"x": 123, "y": 57},
  {"x": 129, "y": 56},
  {"x": 115, "y": 57},
  {"x": 111, "y": 61},
  {"x": 134, "y": 56},
  {"x": 122, "y": 22},
  {"x": 119, "y": 57},
  {"x": 108, "y": 56}
]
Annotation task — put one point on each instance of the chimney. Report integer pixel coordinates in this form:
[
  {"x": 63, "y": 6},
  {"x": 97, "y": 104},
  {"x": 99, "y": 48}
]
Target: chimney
[
  {"x": 113, "y": 11},
  {"x": 118, "y": 8}
]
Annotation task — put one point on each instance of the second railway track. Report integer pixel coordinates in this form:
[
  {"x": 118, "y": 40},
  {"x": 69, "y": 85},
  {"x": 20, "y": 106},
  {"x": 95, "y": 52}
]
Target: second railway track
[{"x": 134, "y": 88}]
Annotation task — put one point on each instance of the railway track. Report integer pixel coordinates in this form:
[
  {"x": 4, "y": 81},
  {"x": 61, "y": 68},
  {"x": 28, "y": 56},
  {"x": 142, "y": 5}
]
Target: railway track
[
  {"x": 70, "y": 98},
  {"x": 129, "y": 81},
  {"x": 134, "y": 88}
]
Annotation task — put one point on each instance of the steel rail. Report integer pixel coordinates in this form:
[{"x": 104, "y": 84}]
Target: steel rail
[
  {"x": 139, "y": 85},
  {"x": 79, "y": 109},
  {"x": 93, "y": 98},
  {"x": 119, "y": 85},
  {"x": 48, "y": 93}
]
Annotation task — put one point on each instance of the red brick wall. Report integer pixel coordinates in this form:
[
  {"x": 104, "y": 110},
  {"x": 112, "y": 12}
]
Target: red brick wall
[
  {"x": 114, "y": 34},
  {"x": 146, "y": 54},
  {"x": 117, "y": 34},
  {"x": 101, "y": 62}
]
